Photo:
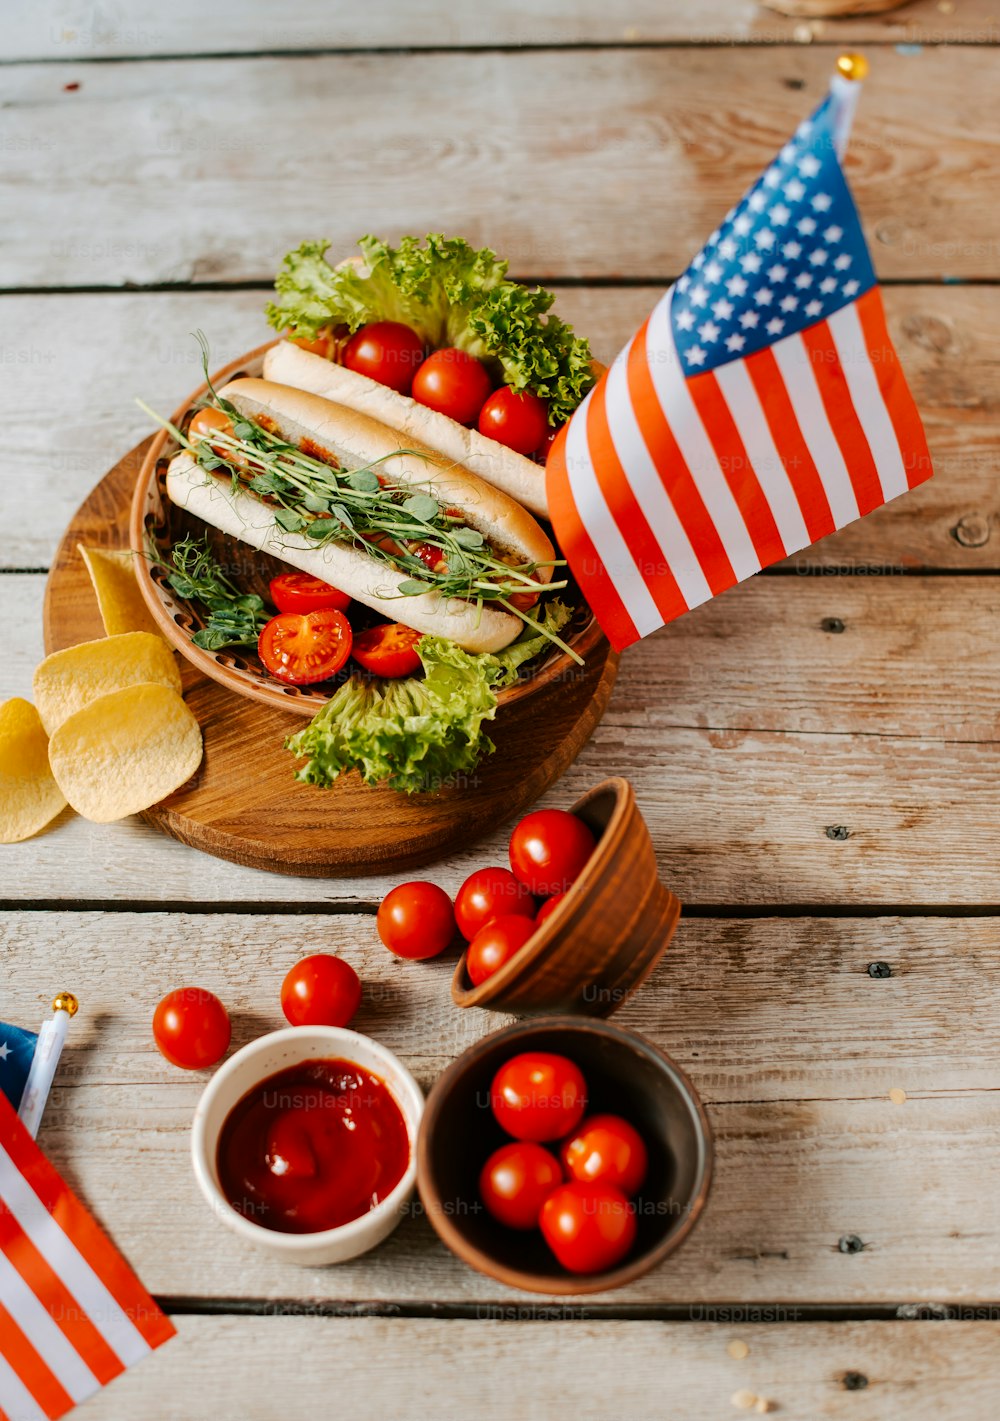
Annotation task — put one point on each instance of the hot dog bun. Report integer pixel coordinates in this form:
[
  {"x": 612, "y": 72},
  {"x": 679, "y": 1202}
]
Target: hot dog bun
[{"x": 521, "y": 478}]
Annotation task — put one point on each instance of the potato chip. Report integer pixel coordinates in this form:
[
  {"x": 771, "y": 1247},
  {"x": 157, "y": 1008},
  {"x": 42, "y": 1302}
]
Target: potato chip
[
  {"x": 125, "y": 752},
  {"x": 68, "y": 680},
  {"x": 29, "y": 795},
  {"x": 122, "y": 605}
]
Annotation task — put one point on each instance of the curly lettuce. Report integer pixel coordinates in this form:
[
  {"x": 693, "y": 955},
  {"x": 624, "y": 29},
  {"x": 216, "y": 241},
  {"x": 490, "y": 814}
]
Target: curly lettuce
[
  {"x": 451, "y": 295},
  {"x": 418, "y": 734}
]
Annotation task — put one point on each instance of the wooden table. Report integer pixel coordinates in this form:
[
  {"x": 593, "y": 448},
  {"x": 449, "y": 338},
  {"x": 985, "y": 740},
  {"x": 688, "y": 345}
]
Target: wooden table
[{"x": 816, "y": 752}]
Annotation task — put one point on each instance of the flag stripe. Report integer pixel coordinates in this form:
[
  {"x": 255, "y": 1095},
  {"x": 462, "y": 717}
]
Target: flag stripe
[
  {"x": 79, "y": 1329},
  {"x": 792, "y": 360},
  {"x": 40, "y": 1328},
  {"x": 672, "y": 472},
  {"x": 895, "y": 391},
  {"x": 767, "y": 460},
  {"x": 18, "y": 1401},
  {"x": 637, "y": 537},
  {"x": 762, "y": 368},
  {"x": 31, "y": 1369},
  {"x": 586, "y": 566},
  {"x": 695, "y": 446},
  {"x": 873, "y": 416},
  {"x": 818, "y": 341}
]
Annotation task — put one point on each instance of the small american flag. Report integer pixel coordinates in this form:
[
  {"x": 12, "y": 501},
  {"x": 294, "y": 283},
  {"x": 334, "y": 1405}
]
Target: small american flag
[
  {"x": 760, "y": 407},
  {"x": 73, "y": 1315}
]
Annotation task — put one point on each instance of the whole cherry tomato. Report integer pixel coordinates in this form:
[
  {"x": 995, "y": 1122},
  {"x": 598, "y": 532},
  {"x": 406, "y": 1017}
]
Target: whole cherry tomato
[
  {"x": 490, "y": 893},
  {"x": 548, "y": 850},
  {"x": 548, "y": 908},
  {"x": 515, "y": 1182},
  {"x": 321, "y": 990},
  {"x": 516, "y": 418},
  {"x": 389, "y": 649},
  {"x": 589, "y": 1227},
  {"x": 607, "y": 1149},
  {"x": 542, "y": 453},
  {"x": 208, "y": 422},
  {"x": 496, "y": 944},
  {"x": 192, "y": 1029},
  {"x": 386, "y": 351},
  {"x": 416, "y": 920},
  {"x": 302, "y": 647},
  {"x": 299, "y": 592},
  {"x": 538, "y": 1096},
  {"x": 453, "y": 383}
]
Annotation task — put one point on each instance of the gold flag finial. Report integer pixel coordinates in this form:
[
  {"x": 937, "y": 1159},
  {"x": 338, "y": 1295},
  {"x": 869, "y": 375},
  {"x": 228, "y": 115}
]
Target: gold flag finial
[
  {"x": 65, "y": 1001},
  {"x": 852, "y": 66}
]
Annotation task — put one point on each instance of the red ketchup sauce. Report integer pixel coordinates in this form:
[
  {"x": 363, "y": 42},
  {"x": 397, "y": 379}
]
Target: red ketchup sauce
[{"x": 312, "y": 1147}]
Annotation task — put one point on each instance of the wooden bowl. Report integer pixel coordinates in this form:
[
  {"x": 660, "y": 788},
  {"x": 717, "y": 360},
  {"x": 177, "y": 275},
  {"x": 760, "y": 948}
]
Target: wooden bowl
[
  {"x": 626, "y": 1075},
  {"x": 155, "y": 520},
  {"x": 604, "y": 938}
]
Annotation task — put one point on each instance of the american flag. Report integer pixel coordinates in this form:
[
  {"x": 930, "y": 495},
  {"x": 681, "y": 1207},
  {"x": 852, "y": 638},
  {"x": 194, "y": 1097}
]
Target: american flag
[
  {"x": 73, "y": 1315},
  {"x": 760, "y": 407}
]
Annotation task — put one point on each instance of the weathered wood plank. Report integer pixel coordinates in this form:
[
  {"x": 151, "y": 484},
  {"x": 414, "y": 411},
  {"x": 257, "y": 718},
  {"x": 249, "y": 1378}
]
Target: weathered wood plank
[
  {"x": 65, "y": 30},
  {"x": 792, "y": 1044},
  {"x": 90, "y": 355},
  {"x": 582, "y": 163},
  {"x": 399, "y": 1370},
  {"x": 756, "y": 740}
]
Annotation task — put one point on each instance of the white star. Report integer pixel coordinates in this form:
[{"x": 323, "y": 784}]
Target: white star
[
  {"x": 822, "y": 202},
  {"x": 683, "y": 282},
  {"x": 788, "y": 303},
  {"x": 779, "y": 214},
  {"x": 818, "y": 256},
  {"x": 775, "y": 326},
  {"x": 695, "y": 356},
  {"x": 736, "y": 286},
  {"x": 748, "y": 320},
  {"x": 709, "y": 331},
  {"x": 849, "y": 288},
  {"x": 788, "y": 153},
  {"x": 803, "y": 281},
  {"x": 685, "y": 320},
  {"x": 735, "y": 342},
  {"x": 742, "y": 225},
  {"x": 763, "y": 296},
  {"x": 4, "y": 1051},
  {"x": 828, "y": 284},
  {"x": 757, "y": 200},
  {"x": 713, "y": 272},
  {"x": 777, "y": 272},
  {"x": 804, "y": 129},
  {"x": 809, "y": 166},
  {"x": 843, "y": 261},
  {"x": 772, "y": 177},
  {"x": 794, "y": 190},
  {"x": 791, "y": 250},
  {"x": 727, "y": 248},
  {"x": 764, "y": 238},
  {"x": 722, "y": 309},
  {"x": 750, "y": 263},
  {"x": 814, "y": 308},
  {"x": 714, "y": 237},
  {"x": 699, "y": 261},
  {"x": 833, "y": 234},
  {"x": 698, "y": 296},
  {"x": 807, "y": 226}
]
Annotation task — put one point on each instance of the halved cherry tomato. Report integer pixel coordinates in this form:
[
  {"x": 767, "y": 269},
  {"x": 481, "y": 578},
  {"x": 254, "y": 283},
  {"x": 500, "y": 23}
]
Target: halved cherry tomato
[
  {"x": 299, "y": 592},
  {"x": 304, "y": 647},
  {"x": 321, "y": 990},
  {"x": 191, "y": 1027},
  {"x": 388, "y": 650},
  {"x": 608, "y": 1149},
  {"x": 487, "y": 894},
  {"x": 548, "y": 908},
  {"x": 548, "y": 850},
  {"x": 454, "y": 383},
  {"x": 515, "y": 1182},
  {"x": 322, "y": 343},
  {"x": 386, "y": 351},
  {"x": 589, "y": 1227},
  {"x": 416, "y": 920},
  {"x": 431, "y": 557},
  {"x": 538, "y": 1096},
  {"x": 208, "y": 422},
  {"x": 516, "y": 418},
  {"x": 496, "y": 944}
]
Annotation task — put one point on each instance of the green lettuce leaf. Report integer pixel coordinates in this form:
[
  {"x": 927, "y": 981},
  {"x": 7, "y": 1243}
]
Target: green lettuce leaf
[
  {"x": 450, "y": 294},
  {"x": 418, "y": 734}
]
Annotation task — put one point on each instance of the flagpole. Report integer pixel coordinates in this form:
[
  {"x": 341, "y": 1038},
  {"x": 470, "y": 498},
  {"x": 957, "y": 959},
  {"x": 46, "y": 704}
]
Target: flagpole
[
  {"x": 845, "y": 86},
  {"x": 48, "y": 1049}
]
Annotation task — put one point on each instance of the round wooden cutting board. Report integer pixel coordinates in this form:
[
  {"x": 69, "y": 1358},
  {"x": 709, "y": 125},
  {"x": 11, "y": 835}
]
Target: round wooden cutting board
[{"x": 245, "y": 805}]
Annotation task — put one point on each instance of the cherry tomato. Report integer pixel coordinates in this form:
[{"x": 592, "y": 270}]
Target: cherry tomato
[
  {"x": 453, "y": 383},
  {"x": 516, "y": 418},
  {"x": 589, "y": 1227},
  {"x": 388, "y": 650},
  {"x": 608, "y": 1149},
  {"x": 208, "y": 422},
  {"x": 304, "y": 647},
  {"x": 431, "y": 557},
  {"x": 538, "y": 1096},
  {"x": 515, "y": 1182},
  {"x": 490, "y": 893},
  {"x": 416, "y": 920},
  {"x": 548, "y": 908},
  {"x": 548, "y": 850},
  {"x": 523, "y": 601},
  {"x": 323, "y": 343},
  {"x": 386, "y": 351},
  {"x": 298, "y": 592},
  {"x": 191, "y": 1028},
  {"x": 496, "y": 944},
  {"x": 321, "y": 990}
]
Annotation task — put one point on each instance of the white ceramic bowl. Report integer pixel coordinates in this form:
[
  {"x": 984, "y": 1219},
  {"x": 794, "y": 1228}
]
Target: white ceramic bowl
[{"x": 254, "y": 1064}]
